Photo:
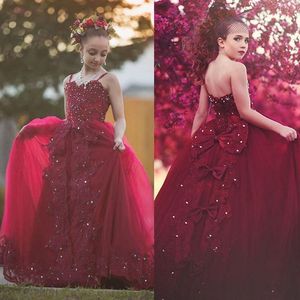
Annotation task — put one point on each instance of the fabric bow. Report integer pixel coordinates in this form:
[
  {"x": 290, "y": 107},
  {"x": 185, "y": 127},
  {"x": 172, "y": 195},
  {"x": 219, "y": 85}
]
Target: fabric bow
[
  {"x": 197, "y": 213},
  {"x": 216, "y": 171},
  {"x": 232, "y": 137}
]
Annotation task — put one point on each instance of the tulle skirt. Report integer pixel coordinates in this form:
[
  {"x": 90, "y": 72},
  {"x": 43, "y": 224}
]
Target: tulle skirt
[
  {"x": 77, "y": 212},
  {"x": 227, "y": 219}
]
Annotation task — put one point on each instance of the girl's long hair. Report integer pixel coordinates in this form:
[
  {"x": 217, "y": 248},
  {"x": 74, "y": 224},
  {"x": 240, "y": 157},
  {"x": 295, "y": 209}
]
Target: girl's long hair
[{"x": 203, "y": 46}]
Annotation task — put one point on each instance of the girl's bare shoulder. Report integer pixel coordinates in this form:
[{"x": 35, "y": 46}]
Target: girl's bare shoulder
[
  {"x": 237, "y": 67},
  {"x": 67, "y": 78},
  {"x": 110, "y": 80},
  {"x": 111, "y": 77}
]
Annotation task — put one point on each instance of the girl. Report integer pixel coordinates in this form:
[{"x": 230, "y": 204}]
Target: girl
[
  {"x": 78, "y": 204},
  {"x": 227, "y": 217}
]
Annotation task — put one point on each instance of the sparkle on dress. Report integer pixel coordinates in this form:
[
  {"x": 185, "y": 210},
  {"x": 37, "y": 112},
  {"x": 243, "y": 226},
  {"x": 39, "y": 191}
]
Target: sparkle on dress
[
  {"x": 85, "y": 194},
  {"x": 229, "y": 132}
]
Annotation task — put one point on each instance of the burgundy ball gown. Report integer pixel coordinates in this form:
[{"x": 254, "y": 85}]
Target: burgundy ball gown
[
  {"x": 227, "y": 219},
  {"x": 77, "y": 212}
]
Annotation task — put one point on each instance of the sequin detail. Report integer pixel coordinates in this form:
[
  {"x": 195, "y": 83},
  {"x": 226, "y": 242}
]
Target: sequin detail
[
  {"x": 86, "y": 104},
  {"x": 79, "y": 147},
  {"x": 226, "y": 134},
  {"x": 229, "y": 133}
]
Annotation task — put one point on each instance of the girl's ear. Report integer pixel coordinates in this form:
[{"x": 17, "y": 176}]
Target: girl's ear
[{"x": 220, "y": 42}]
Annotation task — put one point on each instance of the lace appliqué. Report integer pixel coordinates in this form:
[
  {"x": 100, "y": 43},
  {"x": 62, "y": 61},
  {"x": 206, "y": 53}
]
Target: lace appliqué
[{"x": 226, "y": 136}]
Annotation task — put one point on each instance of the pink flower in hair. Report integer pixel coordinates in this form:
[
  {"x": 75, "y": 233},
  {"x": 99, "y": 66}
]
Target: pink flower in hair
[
  {"x": 89, "y": 23},
  {"x": 101, "y": 23},
  {"x": 77, "y": 22}
]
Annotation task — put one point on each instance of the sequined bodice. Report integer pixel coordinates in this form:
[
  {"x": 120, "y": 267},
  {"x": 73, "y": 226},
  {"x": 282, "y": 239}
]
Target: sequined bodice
[
  {"x": 223, "y": 106},
  {"x": 86, "y": 102}
]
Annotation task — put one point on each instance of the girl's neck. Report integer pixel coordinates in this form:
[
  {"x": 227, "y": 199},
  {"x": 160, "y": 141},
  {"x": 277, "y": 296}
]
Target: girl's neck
[
  {"x": 222, "y": 56},
  {"x": 88, "y": 71}
]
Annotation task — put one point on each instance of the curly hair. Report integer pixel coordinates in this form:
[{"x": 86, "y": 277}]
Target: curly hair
[{"x": 203, "y": 47}]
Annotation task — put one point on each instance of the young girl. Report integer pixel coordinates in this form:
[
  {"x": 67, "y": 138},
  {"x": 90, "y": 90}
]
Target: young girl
[
  {"x": 78, "y": 204},
  {"x": 227, "y": 217}
]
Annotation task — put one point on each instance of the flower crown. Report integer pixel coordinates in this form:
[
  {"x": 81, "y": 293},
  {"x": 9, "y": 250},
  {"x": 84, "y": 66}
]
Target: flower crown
[{"x": 79, "y": 27}]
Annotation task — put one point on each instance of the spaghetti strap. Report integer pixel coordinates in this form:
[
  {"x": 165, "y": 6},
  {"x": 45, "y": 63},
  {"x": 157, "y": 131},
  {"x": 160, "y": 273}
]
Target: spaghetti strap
[
  {"x": 102, "y": 76},
  {"x": 70, "y": 77}
]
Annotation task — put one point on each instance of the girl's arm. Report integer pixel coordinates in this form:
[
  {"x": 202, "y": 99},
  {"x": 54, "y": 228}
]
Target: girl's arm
[
  {"x": 239, "y": 86},
  {"x": 117, "y": 103},
  {"x": 202, "y": 111},
  {"x": 64, "y": 86}
]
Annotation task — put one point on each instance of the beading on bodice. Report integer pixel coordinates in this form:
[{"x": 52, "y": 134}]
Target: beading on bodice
[
  {"x": 86, "y": 102},
  {"x": 223, "y": 106}
]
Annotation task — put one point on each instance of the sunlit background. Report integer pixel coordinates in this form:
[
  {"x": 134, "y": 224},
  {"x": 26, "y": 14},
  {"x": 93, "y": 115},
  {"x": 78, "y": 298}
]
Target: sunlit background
[{"x": 125, "y": 22}]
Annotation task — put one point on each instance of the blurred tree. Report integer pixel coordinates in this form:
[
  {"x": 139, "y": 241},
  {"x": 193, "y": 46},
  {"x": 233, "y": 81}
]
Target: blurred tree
[
  {"x": 272, "y": 63},
  {"x": 36, "y": 51}
]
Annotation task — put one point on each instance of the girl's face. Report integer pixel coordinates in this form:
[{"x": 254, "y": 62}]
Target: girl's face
[
  {"x": 235, "y": 45},
  {"x": 94, "y": 51}
]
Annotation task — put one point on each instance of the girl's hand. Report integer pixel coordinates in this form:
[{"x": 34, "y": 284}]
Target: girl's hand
[
  {"x": 288, "y": 133},
  {"x": 119, "y": 144}
]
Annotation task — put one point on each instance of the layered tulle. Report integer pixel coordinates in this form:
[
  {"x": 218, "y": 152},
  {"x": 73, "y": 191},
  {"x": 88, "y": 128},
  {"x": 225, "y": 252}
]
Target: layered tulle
[
  {"x": 77, "y": 212},
  {"x": 228, "y": 216}
]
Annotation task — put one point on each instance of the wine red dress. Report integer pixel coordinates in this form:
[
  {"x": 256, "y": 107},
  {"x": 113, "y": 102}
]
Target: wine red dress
[
  {"x": 227, "y": 219},
  {"x": 77, "y": 212}
]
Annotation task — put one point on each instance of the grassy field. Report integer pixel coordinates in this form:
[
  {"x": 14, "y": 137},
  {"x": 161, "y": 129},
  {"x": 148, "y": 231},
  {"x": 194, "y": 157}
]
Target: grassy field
[{"x": 35, "y": 293}]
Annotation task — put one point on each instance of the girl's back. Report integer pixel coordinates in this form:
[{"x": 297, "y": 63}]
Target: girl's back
[{"x": 217, "y": 77}]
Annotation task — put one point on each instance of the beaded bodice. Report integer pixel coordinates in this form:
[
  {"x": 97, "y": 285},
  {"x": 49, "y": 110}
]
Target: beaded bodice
[
  {"x": 223, "y": 106},
  {"x": 86, "y": 102}
]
